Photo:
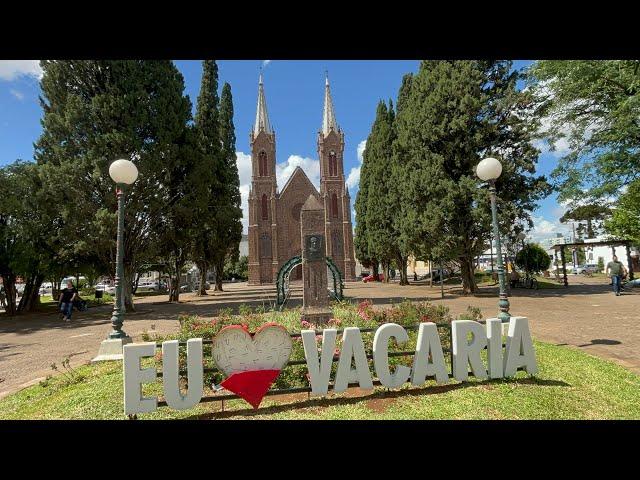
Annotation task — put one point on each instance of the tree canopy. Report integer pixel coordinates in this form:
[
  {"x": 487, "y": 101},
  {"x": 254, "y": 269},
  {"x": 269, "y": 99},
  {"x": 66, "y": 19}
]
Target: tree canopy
[{"x": 593, "y": 106}]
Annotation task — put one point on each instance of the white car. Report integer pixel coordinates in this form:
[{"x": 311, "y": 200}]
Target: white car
[
  {"x": 106, "y": 287},
  {"x": 148, "y": 287}
]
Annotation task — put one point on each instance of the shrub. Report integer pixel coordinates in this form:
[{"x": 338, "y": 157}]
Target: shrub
[{"x": 345, "y": 314}]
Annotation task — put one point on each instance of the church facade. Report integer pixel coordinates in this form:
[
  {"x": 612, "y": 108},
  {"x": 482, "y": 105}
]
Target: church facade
[{"x": 274, "y": 215}]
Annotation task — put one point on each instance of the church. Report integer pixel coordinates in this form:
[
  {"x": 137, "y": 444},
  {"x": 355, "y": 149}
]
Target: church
[{"x": 274, "y": 215}]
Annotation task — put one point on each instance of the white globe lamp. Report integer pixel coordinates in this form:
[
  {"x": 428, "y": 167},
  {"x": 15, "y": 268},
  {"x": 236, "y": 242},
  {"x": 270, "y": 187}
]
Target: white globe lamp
[
  {"x": 123, "y": 172},
  {"x": 489, "y": 169}
]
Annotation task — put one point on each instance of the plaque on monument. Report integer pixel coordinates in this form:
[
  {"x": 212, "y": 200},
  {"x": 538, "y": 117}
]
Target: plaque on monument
[{"x": 314, "y": 247}]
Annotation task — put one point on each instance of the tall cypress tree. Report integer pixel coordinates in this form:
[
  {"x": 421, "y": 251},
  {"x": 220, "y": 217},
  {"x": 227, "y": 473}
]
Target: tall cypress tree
[
  {"x": 229, "y": 211},
  {"x": 361, "y": 238},
  {"x": 210, "y": 187},
  {"x": 382, "y": 199}
]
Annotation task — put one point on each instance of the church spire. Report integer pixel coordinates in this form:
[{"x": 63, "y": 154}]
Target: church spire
[
  {"x": 262, "y": 118},
  {"x": 328, "y": 117}
]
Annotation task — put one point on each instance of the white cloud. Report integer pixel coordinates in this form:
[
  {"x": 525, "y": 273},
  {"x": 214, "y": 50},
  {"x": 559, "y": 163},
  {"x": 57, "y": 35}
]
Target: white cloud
[
  {"x": 16, "y": 93},
  {"x": 265, "y": 63},
  {"x": 543, "y": 229},
  {"x": 310, "y": 166},
  {"x": 243, "y": 161},
  {"x": 361, "y": 146},
  {"x": 12, "y": 69},
  {"x": 353, "y": 179}
]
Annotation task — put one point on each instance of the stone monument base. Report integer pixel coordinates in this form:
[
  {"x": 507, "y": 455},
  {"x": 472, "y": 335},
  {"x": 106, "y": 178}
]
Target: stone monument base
[
  {"x": 111, "y": 349},
  {"x": 316, "y": 315}
]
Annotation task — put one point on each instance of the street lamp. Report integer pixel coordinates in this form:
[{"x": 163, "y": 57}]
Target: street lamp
[
  {"x": 122, "y": 172},
  {"x": 489, "y": 170}
]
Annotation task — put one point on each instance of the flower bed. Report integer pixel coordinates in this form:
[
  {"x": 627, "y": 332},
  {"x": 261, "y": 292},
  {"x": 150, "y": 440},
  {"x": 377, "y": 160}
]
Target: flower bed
[{"x": 362, "y": 315}]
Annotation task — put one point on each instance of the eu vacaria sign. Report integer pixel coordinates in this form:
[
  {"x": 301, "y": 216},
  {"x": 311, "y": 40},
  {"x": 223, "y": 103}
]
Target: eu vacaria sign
[{"x": 251, "y": 363}]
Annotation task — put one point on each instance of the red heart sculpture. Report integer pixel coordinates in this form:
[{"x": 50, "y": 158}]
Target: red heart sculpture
[{"x": 251, "y": 363}]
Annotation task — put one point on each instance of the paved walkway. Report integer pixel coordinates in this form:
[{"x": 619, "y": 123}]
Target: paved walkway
[{"x": 586, "y": 315}]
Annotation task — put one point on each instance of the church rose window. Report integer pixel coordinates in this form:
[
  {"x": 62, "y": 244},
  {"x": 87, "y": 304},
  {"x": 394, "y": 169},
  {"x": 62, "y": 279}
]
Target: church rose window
[
  {"x": 262, "y": 164},
  {"x": 265, "y": 207},
  {"x": 334, "y": 205}
]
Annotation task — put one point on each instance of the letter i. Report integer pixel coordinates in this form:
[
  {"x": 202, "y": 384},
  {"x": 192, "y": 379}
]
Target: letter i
[{"x": 494, "y": 348}]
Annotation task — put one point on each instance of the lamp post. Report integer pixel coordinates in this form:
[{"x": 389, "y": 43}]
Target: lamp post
[
  {"x": 489, "y": 170},
  {"x": 123, "y": 173}
]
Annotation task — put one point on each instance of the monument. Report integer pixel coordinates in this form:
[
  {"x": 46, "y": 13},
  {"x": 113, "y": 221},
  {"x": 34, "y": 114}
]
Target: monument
[{"x": 315, "y": 300}]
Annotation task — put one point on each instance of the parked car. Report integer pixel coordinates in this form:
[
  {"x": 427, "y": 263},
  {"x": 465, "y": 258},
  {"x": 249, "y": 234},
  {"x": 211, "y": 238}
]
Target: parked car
[
  {"x": 585, "y": 269},
  {"x": 369, "y": 278},
  {"x": 148, "y": 287},
  {"x": 46, "y": 288},
  {"x": 106, "y": 287}
]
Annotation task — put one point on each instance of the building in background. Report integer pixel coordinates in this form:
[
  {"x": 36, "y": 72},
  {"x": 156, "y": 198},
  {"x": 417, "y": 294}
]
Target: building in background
[{"x": 274, "y": 215}]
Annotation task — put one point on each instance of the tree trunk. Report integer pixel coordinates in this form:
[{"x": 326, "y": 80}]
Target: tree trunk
[
  {"x": 31, "y": 296},
  {"x": 402, "y": 261},
  {"x": 10, "y": 292},
  {"x": 468, "y": 278},
  {"x": 385, "y": 269},
  {"x": 219, "y": 275},
  {"x": 202, "y": 268},
  {"x": 374, "y": 270},
  {"x": 55, "y": 289},
  {"x": 174, "y": 280}
]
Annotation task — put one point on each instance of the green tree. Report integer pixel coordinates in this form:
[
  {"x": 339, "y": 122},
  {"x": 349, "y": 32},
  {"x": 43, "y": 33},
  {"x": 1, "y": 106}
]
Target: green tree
[
  {"x": 361, "y": 238},
  {"x": 176, "y": 222},
  {"x": 625, "y": 219},
  {"x": 594, "y": 105},
  {"x": 206, "y": 243},
  {"x": 533, "y": 258},
  {"x": 228, "y": 211},
  {"x": 456, "y": 113},
  {"x": 381, "y": 237},
  {"x": 592, "y": 214},
  {"x": 98, "y": 111}
]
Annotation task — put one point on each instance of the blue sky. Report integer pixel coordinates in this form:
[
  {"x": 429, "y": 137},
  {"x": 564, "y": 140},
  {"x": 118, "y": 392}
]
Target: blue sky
[{"x": 294, "y": 92}]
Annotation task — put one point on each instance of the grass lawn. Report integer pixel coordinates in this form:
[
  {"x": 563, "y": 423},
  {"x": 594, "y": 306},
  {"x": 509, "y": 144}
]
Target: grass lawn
[{"x": 570, "y": 385}]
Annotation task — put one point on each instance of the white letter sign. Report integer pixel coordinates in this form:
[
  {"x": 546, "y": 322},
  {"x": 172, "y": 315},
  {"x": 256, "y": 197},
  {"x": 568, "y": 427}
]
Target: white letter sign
[
  {"x": 171, "y": 375},
  {"x": 134, "y": 377},
  {"x": 381, "y": 355},
  {"x": 352, "y": 348},
  {"x": 465, "y": 352},
  {"x": 520, "y": 351},
  {"x": 319, "y": 375},
  {"x": 429, "y": 345}
]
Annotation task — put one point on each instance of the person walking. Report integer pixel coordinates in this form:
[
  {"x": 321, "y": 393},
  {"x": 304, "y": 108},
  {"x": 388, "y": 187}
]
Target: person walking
[
  {"x": 67, "y": 297},
  {"x": 3, "y": 297},
  {"x": 615, "y": 270}
]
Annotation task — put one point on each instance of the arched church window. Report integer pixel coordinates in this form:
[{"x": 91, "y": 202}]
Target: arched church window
[
  {"x": 265, "y": 245},
  {"x": 262, "y": 164},
  {"x": 333, "y": 164},
  {"x": 334, "y": 205},
  {"x": 265, "y": 207}
]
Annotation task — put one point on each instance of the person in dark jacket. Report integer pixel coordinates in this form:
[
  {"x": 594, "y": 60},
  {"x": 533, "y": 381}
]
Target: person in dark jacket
[{"x": 67, "y": 297}]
